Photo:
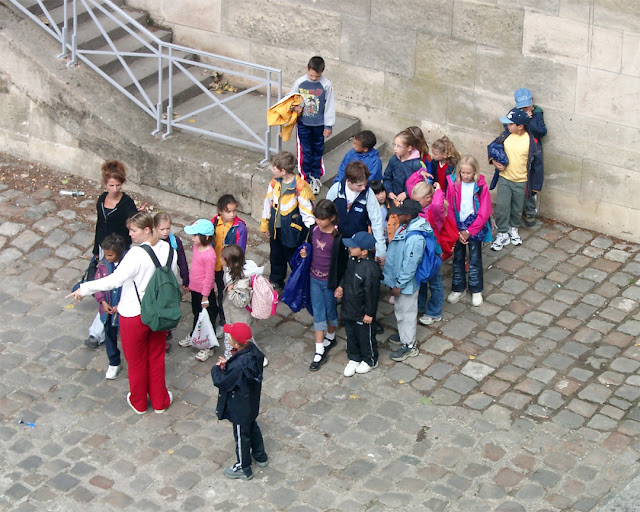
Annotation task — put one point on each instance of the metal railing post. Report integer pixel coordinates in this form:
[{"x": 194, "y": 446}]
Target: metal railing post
[
  {"x": 74, "y": 36},
  {"x": 169, "y": 97},
  {"x": 65, "y": 31},
  {"x": 279, "y": 139},
  {"x": 159, "y": 103},
  {"x": 267, "y": 134}
]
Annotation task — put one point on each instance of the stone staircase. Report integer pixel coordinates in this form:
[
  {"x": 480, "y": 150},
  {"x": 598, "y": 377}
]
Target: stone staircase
[{"x": 188, "y": 97}]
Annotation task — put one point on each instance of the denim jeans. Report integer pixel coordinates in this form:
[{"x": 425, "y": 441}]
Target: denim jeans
[
  {"x": 434, "y": 306},
  {"x": 323, "y": 303},
  {"x": 459, "y": 281}
]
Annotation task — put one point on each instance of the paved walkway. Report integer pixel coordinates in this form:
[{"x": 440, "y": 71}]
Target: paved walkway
[{"x": 527, "y": 403}]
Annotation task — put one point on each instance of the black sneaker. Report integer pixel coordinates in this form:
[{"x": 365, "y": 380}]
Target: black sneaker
[
  {"x": 530, "y": 221},
  {"x": 236, "y": 472},
  {"x": 378, "y": 328},
  {"x": 394, "y": 339},
  {"x": 91, "y": 342}
]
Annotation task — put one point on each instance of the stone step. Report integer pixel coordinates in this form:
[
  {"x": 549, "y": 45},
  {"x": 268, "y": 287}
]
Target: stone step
[
  {"x": 145, "y": 70},
  {"x": 109, "y": 63},
  {"x": 82, "y": 14},
  {"x": 33, "y": 6},
  {"x": 90, "y": 37}
]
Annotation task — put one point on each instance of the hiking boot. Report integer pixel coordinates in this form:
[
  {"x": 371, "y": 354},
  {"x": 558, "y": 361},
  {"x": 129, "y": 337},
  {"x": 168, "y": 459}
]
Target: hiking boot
[
  {"x": 455, "y": 297},
  {"x": 428, "y": 320},
  {"x": 476, "y": 299},
  {"x": 236, "y": 472},
  {"x": 502, "y": 239},
  {"x": 350, "y": 369},
  {"x": 514, "y": 236},
  {"x": 92, "y": 342},
  {"x": 404, "y": 352}
]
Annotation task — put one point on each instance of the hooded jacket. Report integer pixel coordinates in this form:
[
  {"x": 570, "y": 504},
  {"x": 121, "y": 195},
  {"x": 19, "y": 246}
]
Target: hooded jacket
[
  {"x": 403, "y": 257},
  {"x": 240, "y": 386},
  {"x": 535, "y": 174},
  {"x": 237, "y": 233},
  {"x": 282, "y": 114},
  {"x": 482, "y": 208},
  {"x": 361, "y": 285},
  {"x": 371, "y": 159},
  {"x": 397, "y": 172}
]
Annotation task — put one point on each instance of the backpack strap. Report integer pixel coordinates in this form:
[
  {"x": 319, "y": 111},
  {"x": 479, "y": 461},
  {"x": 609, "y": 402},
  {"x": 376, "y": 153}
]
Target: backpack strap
[{"x": 156, "y": 263}]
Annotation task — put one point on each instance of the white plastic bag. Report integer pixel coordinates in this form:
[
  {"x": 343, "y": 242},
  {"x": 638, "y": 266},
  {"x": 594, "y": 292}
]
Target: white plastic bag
[{"x": 204, "y": 336}]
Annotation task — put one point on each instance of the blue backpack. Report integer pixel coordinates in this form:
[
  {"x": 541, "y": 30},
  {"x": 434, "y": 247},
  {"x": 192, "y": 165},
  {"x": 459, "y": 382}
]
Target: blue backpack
[{"x": 431, "y": 260}]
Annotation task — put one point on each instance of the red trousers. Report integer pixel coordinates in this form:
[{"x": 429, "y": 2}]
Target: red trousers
[{"x": 144, "y": 351}]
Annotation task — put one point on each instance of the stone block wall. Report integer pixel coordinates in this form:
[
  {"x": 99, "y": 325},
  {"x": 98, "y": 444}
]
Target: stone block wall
[{"x": 452, "y": 67}]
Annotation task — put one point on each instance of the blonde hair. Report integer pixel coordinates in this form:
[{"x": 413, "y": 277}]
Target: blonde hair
[
  {"x": 422, "y": 190},
  {"x": 471, "y": 161},
  {"x": 451, "y": 154},
  {"x": 160, "y": 218},
  {"x": 144, "y": 220}
]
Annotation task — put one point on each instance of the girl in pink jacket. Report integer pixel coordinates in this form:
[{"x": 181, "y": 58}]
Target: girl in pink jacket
[{"x": 470, "y": 204}]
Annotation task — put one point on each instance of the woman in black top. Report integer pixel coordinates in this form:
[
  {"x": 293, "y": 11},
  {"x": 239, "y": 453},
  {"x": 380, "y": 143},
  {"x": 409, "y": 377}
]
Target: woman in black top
[{"x": 114, "y": 206}]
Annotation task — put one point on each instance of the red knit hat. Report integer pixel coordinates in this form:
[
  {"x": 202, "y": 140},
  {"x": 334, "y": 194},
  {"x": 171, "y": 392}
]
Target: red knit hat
[{"x": 240, "y": 332}]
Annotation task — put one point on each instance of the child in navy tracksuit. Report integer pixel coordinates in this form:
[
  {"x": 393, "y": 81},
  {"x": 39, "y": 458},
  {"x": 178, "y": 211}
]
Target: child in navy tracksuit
[
  {"x": 316, "y": 123},
  {"x": 239, "y": 380}
]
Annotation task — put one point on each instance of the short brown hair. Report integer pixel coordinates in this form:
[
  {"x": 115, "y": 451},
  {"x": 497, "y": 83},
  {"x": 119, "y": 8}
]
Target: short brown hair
[
  {"x": 285, "y": 161},
  {"x": 113, "y": 169},
  {"x": 357, "y": 172}
]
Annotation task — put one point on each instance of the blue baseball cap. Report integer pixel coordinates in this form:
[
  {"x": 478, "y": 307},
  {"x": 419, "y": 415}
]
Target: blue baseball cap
[
  {"x": 200, "y": 227},
  {"x": 363, "y": 240},
  {"x": 515, "y": 116},
  {"x": 523, "y": 98}
]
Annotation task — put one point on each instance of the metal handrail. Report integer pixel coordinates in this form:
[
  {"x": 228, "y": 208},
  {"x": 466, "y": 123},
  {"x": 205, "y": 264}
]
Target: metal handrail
[{"x": 168, "y": 64}]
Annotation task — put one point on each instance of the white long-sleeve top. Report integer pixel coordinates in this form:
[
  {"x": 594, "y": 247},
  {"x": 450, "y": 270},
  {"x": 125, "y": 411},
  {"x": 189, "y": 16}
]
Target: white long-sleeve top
[{"x": 136, "y": 266}]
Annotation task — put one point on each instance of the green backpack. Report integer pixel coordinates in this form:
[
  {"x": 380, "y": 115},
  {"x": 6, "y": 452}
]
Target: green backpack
[{"x": 160, "y": 306}]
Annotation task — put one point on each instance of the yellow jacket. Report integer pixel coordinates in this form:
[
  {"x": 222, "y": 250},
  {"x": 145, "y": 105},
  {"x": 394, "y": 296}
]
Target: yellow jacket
[
  {"x": 282, "y": 114},
  {"x": 286, "y": 204}
]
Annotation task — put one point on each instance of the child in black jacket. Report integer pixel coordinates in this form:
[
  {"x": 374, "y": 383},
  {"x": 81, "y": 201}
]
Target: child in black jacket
[
  {"x": 360, "y": 290},
  {"x": 240, "y": 383}
]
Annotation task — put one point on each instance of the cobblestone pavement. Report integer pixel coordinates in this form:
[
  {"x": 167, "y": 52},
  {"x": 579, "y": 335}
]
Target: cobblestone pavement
[{"x": 527, "y": 403}]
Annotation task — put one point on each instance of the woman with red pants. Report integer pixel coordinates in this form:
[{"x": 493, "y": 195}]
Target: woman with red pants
[{"x": 143, "y": 348}]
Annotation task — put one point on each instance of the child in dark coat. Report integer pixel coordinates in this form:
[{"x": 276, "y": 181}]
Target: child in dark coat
[
  {"x": 239, "y": 380},
  {"x": 359, "y": 291}
]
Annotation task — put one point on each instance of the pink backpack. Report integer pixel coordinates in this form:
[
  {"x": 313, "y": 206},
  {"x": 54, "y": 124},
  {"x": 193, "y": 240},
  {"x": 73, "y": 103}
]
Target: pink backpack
[{"x": 264, "y": 301}]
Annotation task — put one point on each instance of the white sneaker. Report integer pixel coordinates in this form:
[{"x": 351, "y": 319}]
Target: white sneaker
[
  {"x": 265, "y": 362},
  {"x": 160, "y": 411},
  {"x": 476, "y": 299},
  {"x": 350, "y": 369},
  {"x": 514, "y": 236},
  {"x": 315, "y": 184},
  {"x": 112, "y": 372},
  {"x": 428, "y": 320},
  {"x": 186, "y": 342},
  {"x": 365, "y": 368},
  {"x": 204, "y": 354},
  {"x": 501, "y": 240},
  {"x": 219, "y": 332},
  {"x": 455, "y": 297}
]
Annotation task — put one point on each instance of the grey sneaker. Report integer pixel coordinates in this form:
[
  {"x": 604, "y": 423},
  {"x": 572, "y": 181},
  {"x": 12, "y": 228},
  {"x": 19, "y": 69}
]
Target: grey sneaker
[
  {"x": 92, "y": 342},
  {"x": 404, "y": 352},
  {"x": 394, "y": 339},
  {"x": 235, "y": 471},
  {"x": 263, "y": 464}
]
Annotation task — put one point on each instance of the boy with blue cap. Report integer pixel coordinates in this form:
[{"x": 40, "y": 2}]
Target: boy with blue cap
[
  {"x": 359, "y": 290},
  {"x": 537, "y": 128},
  {"x": 518, "y": 179}
]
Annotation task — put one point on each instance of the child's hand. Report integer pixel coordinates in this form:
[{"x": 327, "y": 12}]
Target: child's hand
[
  {"x": 143, "y": 208},
  {"x": 185, "y": 289},
  {"x": 367, "y": 319},
  {"x": 463, "y": 236},
  {"x": 77, "y": 295},
  {"x": 338, "y": 293},
  {"x": 395, "y": 291},
  {"x": 303, "y": 253},
  {"x": 114, "y": 309},
  {"x": 381, "y": 261},
  {"x": 327, "y": 132},
  {"x": 401, "y": 197},
  {"x": 230, "y": 287},
  {"x": 222, "y": 362},
  {"x": 436, "y": 185},
  {"x": 266, "y": 235},
  {"x": 297, "y": 108},
  {"x": 107, "y": 308},
  {"x": 393, "y": 197},
  {"x": 498, "y": 165}
]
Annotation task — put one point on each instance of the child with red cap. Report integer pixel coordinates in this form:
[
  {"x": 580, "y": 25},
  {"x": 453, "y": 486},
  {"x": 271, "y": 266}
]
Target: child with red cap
[{"x": 239, "y": 380}]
